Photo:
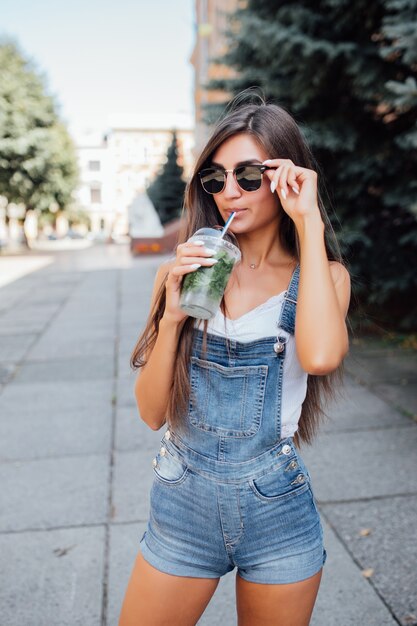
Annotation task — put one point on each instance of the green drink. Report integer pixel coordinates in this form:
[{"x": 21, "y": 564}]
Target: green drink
[{"x": 203, "y": 289}]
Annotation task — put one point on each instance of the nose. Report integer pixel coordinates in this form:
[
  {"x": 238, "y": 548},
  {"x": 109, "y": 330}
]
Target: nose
[{"x": 231, "y": 188}]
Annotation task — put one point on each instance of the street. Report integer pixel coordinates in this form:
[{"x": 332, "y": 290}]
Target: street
[{"x": 75, "y": 457}]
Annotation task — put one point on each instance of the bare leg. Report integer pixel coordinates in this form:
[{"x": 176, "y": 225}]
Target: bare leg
[
  {"x": 154, "y": 598},
  {"x": 276, "y": 605}
]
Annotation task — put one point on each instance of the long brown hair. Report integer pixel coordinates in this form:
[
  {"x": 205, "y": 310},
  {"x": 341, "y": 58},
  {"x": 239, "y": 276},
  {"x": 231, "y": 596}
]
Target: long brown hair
[{"x": 277, "y": 133}]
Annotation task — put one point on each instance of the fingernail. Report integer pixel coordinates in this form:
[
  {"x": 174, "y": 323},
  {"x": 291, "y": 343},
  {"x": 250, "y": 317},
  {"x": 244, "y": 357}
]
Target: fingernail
[
  {"x": 209, "y": 251},
  {"x": 273, "y": 186},
  {"x": 198, "y": 242},
  {"x": 194, "y": 266},
  {"x": 295, "y": 191},
  {"x": 212, "y": 261},
  {"x": 284, "y": 195},
  {"x": 267, "y": 161}
]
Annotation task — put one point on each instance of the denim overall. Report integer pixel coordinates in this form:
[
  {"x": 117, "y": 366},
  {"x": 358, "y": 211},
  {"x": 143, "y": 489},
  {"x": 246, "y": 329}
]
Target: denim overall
[{"x": 228, "y": 491}]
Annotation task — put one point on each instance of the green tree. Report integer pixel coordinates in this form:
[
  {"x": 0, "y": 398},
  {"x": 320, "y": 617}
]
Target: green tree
[
  {"x": 347, "y": 71},
  {"x": 38, "y": 165},
  {"x": 167, "y": 190}
]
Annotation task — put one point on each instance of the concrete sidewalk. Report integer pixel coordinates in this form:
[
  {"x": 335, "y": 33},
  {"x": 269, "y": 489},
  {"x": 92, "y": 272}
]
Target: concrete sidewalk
[{"x": 75, "y": 459}]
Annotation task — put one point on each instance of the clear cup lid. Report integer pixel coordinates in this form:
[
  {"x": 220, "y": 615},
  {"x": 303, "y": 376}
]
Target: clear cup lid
[{"x": 229, "y": 240}]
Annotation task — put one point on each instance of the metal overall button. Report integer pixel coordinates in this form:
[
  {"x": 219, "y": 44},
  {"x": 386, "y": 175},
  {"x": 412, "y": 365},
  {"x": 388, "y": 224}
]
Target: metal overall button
[
  {"x": 293, "y": 465},
  {"x": 163, "y": 451},
  {"x": 167, "y": 435},
  {"x": 154, "y": 462},
  {"x": 299, "y": 479},
  {"x": 286, "y": 449},
  {"x": 280, "y": 344}
]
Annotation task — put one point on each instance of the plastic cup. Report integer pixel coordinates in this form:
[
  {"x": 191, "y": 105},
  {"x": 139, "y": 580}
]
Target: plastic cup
[{"x": 203, "y": 289}]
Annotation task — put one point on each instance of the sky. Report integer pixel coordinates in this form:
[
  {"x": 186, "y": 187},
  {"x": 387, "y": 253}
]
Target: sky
[{"x": 109, "y": 62}]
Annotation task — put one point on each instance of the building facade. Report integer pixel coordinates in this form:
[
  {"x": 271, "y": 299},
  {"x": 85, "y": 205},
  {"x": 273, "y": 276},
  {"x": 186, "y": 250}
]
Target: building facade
[
  {"x": 95, "y": 194},
  {"x": 118, "y": 170},
  {"x": 211, "y": 23}
]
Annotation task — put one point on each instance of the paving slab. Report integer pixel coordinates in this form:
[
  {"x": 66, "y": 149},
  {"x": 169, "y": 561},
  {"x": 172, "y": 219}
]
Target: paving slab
[
  {"x": 36, "y": 434},
  {"x": 29, "y": 319},
  {"x": 124, "y": 370},
  {"x": 345, "y": 596},
  {"x": 361, "y": 409},
  {"x": 355, "y": 465},
  {"x": 383, "y": 365},
  {"x": 14, "y": 347},
  {"x": 132, "y": 480},
  {"x": 132, "y": 433},
  {"x": 124, "y": 546},
  {"x": 70, "y": 346},
  {"x": 52, "y": 578},
  {"x": 381, "y": 535},
  {"x": 7, "y": 370},
  {"x": 37, "y": 397},
  {"x": 127, "y": 343},
  {"x": 129, "y": 333},
  {"x": 47, "y": 295},
  {"x": 100, "y": 325},
  {"x": 402, "y": 396},
  {"x": 390, "y": 373},
  {"x": 125, "y": 390},
  {"x": 74, "y": 369},
  {"x": 14, "y": 267},
  {"x": 94, "y": 310},
  {"x": 54, "y": 492}
]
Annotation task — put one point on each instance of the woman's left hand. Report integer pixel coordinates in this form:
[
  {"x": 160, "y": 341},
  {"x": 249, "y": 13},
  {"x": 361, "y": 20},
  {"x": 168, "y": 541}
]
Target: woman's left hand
[{"x": 296, "y": 187}]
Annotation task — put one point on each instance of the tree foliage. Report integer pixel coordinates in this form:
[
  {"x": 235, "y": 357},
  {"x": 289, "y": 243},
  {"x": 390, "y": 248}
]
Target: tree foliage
[
  {"x": 347, "y": 71},
  {"x": 167, "y": 190},
  {"x": 38, "y": 165}
]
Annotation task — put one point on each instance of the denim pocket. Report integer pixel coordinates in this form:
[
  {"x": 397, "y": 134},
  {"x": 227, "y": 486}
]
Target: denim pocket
[
  {"x": 227, "y": 400},
  {"x": 170, "y": 470},
  {"x": 283, "y": 482}
]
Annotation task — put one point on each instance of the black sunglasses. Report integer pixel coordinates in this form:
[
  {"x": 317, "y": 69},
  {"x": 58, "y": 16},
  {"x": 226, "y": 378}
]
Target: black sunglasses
[{"x": 248, "y": 177}]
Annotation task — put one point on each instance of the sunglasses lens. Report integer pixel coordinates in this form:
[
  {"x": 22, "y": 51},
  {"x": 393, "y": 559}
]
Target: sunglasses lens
[
  {"x": 212, "y": 180},
  {"x": 249, "y": 177}
]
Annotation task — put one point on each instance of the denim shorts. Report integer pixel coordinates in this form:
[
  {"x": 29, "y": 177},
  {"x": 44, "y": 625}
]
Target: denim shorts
[{"x": 208, "y": 516}]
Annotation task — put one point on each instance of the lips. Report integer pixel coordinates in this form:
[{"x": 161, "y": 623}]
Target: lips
[{"x": 235, "y": 210}]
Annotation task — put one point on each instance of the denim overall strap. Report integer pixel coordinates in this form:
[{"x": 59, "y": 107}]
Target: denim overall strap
[{"x": 287, "y": 318}]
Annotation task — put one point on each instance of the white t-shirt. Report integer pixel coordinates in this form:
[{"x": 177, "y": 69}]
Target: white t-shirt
[{"x": 258, "y": 323}]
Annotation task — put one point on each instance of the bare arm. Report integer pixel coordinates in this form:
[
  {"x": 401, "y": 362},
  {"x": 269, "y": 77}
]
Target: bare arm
[
  {"x": 153, "y": 384},
  {"x": 321, "y": 335},
  {"x": 154, "y": 381},
  {"x": 322, "y": 304}
]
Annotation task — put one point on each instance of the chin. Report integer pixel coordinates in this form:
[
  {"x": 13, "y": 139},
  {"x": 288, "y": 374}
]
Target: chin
[{"x": 238, "y": 229}]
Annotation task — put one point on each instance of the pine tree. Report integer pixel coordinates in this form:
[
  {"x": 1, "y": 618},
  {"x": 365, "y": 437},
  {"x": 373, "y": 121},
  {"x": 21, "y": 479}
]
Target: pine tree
[
  {"x": 38, "y": 165},
  {"x": 347, "y": 72},
  {"x": 167, "y": 190}
]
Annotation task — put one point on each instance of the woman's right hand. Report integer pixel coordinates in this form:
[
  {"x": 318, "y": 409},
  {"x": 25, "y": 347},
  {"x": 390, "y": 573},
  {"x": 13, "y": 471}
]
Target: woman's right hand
[{"x": 190, "y": 256}]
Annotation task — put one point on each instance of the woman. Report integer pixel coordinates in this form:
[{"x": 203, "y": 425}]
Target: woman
[{"x": 231, "y": 488}]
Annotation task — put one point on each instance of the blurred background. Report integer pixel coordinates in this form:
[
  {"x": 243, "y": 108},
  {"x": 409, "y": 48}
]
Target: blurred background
[{"x": 103, "y": 109}]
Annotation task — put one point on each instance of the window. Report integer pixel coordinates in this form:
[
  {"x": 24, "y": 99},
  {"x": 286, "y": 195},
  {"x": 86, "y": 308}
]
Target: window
[
  {"x": 95, "y": 195},
  {"x": 94, "y": 166}
]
